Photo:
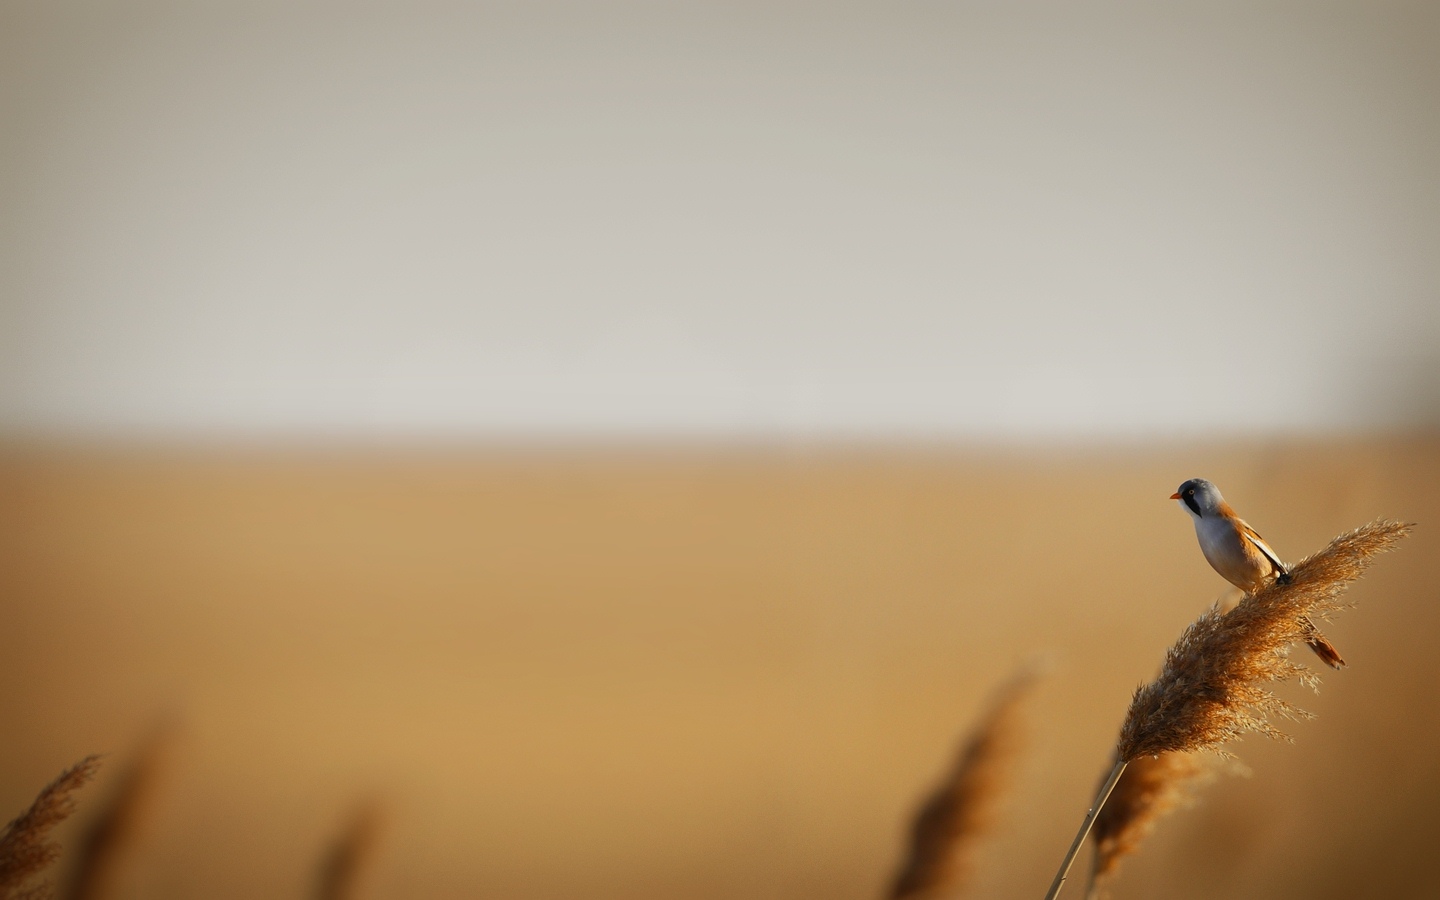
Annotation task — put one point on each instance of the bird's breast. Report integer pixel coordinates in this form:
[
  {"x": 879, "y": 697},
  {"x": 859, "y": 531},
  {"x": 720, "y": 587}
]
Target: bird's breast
[{"x": 1230, "y": 554}]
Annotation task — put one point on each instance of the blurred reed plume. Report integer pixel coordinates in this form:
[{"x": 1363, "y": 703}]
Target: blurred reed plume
[
  {"x": 112, "y": 835},
  {"x": 1151, "y": 787},
  {"x": 1212, "y": 688},
  {"x": 1213, "y": 685},
  {"x": 25, "y": 846},
  {"x": 343, "y": 862},
  {"x": 962, "y": 807}
]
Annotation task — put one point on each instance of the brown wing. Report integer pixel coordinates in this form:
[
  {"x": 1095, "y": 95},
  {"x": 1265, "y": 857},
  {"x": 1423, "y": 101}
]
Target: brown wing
[{"x": 1254, "y": 538}]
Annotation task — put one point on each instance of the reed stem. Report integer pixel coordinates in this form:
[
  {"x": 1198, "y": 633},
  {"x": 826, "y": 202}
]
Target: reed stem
[{"x": 1100, "y": 798}]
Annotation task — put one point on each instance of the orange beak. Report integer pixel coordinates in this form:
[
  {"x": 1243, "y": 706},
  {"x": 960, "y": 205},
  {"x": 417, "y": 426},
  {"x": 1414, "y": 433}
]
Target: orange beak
[{"x": 1175, "y": 496}]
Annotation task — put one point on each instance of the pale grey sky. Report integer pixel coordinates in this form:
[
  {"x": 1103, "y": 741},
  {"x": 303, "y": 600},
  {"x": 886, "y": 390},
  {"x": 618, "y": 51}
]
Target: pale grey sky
[{"x": 904, "y": 220}]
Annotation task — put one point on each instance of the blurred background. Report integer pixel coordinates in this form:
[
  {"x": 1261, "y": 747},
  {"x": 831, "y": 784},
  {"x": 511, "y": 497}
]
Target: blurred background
[{"x": 625, "y": 444}]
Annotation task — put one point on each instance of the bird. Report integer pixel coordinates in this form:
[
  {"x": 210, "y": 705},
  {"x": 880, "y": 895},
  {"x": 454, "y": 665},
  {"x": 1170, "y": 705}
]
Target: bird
[{"x": 1240, "y": 554}]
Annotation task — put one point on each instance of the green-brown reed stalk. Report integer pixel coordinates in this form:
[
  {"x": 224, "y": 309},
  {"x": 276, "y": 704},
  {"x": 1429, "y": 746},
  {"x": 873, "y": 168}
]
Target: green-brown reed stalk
[
  {"x": 341, "y": 866},
  {"x": 1151, "y": 787},
  {"x": 963, "y": 806},
  {"x": 26, "y": 849},
  {"x": 1213, "y": 686},
  {"x": 111, "y": 836}
]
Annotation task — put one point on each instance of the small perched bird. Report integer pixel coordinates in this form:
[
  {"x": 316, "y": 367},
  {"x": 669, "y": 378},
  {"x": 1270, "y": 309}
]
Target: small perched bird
[{"x": 1239, "y": 554}]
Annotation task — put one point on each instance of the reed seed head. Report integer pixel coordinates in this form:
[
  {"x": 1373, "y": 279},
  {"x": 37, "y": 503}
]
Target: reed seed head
[
  {"x": 963, "y": 806},
  {"x": 102, "y": 849},
  {"x": 1213, "y": 687},
  {"x": 26, "y": 849},
  {"x": 349, "y": 854},
  {"x": 1151, "y": 787}
]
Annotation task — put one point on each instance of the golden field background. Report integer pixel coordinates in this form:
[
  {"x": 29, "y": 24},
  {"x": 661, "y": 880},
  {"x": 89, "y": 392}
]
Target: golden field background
[{"x": 687, "y": 674}]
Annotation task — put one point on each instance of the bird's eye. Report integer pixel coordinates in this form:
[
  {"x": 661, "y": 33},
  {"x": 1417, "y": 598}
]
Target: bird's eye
[{"x": 1190, "y": 493}]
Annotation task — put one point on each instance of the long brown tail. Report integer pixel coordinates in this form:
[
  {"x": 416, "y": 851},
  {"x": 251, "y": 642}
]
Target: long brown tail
[{"x": 1323, "y": 648}]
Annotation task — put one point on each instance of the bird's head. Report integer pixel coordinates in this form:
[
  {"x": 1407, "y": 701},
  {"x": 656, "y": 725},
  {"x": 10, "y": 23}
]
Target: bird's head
[{"x": 1201, "y": 498}]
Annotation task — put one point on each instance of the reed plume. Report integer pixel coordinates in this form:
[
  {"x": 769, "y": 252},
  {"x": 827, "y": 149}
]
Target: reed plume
[
  {"x": 1212, "y": 688},
  {"x": 1213, "y": 685},
  {"x": 1151, "y": 787},
  {"x": 963, "y": 806},
  {"x": 102, "y": 849},
  {"x": 341, "y": 866},
  {"x": 26, "y": 849}
]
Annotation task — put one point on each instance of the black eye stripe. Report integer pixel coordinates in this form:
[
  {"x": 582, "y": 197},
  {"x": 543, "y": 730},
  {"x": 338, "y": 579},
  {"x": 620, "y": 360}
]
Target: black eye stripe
[{"x": 1190, "y": 502}]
